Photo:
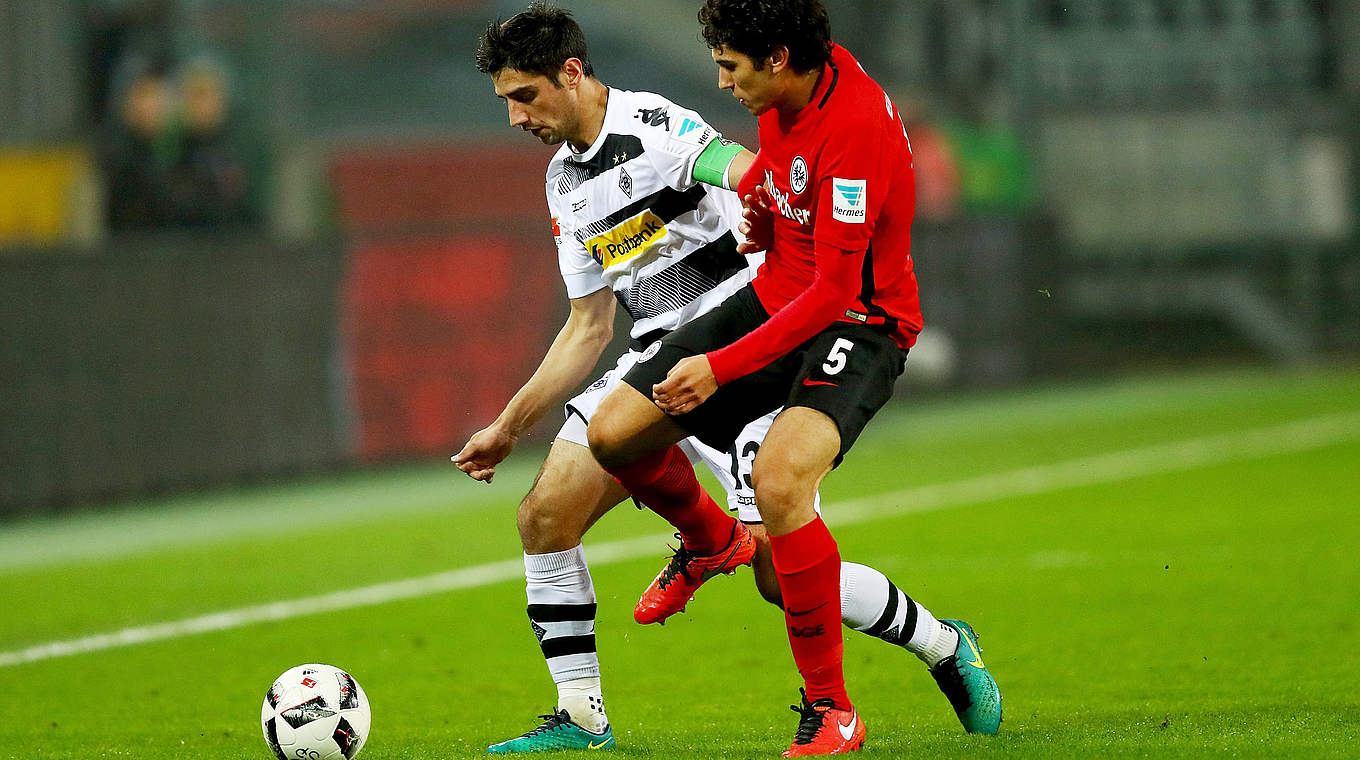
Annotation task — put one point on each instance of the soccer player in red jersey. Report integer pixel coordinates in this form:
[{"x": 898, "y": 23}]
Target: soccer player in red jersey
[{"x": 823, "y": 330}]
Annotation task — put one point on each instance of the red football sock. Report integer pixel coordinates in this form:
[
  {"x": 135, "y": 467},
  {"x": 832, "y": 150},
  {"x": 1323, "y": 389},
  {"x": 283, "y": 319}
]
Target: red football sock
[
  {"x": 809, "y": 568},
  {"x": 665, "y": 483}
]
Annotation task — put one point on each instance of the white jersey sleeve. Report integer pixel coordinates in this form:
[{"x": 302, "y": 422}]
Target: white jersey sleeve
[
  {"x": 675, "y": 151},
  {"x": 581, "y": 273}
]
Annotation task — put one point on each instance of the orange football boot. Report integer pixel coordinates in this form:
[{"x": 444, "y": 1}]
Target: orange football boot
[
  {"x": 675, "y": 585},
  {"x": 825, "y": 730}
]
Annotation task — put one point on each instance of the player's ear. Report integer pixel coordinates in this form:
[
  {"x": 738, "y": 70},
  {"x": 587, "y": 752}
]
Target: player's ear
[
  {"x": 778, "y": 60},
  {"x": 573, "y": 73}
]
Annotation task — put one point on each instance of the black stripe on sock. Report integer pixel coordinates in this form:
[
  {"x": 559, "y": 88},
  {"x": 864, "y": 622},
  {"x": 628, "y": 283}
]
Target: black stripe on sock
[
  {"x": 909, "y": 626},
  {"x": 565, "y": 645},
  {"x": 889, "y": 613},
  {"x": 559, "y": 613}
]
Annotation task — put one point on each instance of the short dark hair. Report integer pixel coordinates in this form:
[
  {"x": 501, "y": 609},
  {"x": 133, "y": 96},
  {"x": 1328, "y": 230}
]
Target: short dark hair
[
  {"x": 756, "y": 27},
  {"x": 537, "y": 41}
]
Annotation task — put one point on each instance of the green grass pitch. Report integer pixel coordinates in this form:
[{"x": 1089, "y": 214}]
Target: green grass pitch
[{"x": 1162, "y": 567}]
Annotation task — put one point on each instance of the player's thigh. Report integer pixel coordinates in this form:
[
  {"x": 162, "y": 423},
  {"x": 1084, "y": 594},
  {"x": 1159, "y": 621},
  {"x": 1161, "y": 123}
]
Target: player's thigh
[
  {"x": 799, "y": 450},
  {"x": 627, "y": 425},
  {"x": 732, "y": 467},
  {"x": 848, "y": 373},
  {"x": 720, "y": 420},
  {"x": 570, "y": 493}
]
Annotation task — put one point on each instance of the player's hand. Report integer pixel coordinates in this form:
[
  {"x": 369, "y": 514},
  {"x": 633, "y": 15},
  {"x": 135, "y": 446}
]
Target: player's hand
[
  {"x": 689, "y": 384},
  {"x": 757, "y": 221},
  {"x": 483, "y": 451}
]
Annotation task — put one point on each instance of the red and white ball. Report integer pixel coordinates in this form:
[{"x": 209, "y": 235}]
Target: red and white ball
[{"x": 315, "y": 712}]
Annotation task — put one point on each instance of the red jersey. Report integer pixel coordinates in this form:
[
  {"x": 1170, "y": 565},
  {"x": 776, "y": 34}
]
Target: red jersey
[{"x": 840, "y": 172}]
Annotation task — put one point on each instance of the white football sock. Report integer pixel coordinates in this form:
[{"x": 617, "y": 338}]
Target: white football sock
[
  {"x": 582, "y": 700},
  {"x": 562, "y": 613},
  {"x": 931, "y": 640},
  {"x": 864, "y": 595},
  {"x": 870, "y": 603}
]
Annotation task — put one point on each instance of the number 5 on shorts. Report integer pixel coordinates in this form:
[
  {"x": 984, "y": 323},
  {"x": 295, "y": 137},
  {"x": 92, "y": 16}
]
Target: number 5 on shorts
[{"x": 835, "y": 361}]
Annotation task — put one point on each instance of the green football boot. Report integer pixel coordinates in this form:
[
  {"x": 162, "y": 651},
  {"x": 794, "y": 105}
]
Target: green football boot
[
  {"x": 965, "y": 681},
  {"x": 557, "y": 732}
]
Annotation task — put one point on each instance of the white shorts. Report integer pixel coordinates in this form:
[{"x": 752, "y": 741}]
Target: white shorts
[{"x": 732, "y": 468}]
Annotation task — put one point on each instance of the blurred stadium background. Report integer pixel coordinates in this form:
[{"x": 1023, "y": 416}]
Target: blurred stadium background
[
  {"x": 249, "y": 240},
  {"x": 264, "y": 264}
]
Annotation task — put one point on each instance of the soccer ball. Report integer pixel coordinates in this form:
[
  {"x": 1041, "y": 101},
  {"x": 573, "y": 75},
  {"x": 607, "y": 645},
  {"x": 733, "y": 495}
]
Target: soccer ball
[{"x": 315, "y": 712}]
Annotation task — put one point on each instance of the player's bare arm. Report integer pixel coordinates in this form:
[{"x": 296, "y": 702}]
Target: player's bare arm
[
  {"x": 741, "y": 163},
  {"x": 572, "y": 355}
]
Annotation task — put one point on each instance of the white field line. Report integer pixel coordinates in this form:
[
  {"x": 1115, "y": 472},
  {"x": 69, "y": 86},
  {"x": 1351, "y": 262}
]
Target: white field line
[
  {"x": 1161, "y": 459},
  {"x": 194, "y": 520}
]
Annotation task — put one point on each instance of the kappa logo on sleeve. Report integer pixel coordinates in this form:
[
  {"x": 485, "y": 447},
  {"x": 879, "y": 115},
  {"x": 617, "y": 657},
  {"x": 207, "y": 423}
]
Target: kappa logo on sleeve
[
  {"x": 849, "y": 200},
  {"x": 654, "y": 117}
]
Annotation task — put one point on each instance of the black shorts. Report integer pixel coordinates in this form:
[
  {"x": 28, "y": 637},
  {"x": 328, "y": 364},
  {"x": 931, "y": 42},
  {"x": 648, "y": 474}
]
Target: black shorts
[{"x": 846, "y": 371}]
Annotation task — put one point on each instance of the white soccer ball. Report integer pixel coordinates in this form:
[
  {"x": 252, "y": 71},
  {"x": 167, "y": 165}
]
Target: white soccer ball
[{"x": 315, "y": 712}]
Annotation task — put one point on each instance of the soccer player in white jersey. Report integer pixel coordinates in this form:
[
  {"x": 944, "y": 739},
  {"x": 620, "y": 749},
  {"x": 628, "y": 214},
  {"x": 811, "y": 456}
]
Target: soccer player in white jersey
[{"x": 641, "y": 218}]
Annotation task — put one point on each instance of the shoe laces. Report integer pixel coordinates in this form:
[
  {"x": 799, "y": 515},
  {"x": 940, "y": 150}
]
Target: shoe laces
[
  {"x": 679, "y": 564},
  {"x": 550, "y": 722},
  {"x": 949, "y": 675},
  {"x": 811, "y": 715}
]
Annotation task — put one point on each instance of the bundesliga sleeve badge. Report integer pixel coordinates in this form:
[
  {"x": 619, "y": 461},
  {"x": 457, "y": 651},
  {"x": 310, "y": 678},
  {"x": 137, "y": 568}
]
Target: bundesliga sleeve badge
[{"x": 849, "y": 200}]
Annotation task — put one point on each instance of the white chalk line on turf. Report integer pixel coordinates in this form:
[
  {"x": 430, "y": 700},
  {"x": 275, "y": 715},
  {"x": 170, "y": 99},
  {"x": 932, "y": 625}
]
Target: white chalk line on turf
[{"x": 1160, "y": 459}]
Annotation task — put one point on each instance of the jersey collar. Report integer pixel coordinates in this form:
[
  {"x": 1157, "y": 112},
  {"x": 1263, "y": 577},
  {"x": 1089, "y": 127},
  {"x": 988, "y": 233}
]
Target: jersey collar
[
  {"x": 826, "y": 84},
  {"x": 600, "y": 138},
  {"x": 831, "y": 76}
]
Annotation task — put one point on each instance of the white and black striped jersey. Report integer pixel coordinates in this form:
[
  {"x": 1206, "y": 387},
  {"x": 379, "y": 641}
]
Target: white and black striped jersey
[{"x": 629, "y": 215}]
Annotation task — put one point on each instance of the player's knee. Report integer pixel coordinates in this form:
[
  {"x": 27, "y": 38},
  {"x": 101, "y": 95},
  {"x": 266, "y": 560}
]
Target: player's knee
[
  {"x": 534, "y": 524},
  {"x": 607, "y": 443},
  {"x": 624, "y": 428},
  {"x": 775, "y": 485},
  {"x": 542, "y": 526}
]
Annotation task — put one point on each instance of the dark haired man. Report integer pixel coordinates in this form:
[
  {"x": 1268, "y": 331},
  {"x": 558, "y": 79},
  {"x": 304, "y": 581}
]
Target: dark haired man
[
  {"x": 823, "y": 331},
  {"x": 640, "y": 218}
]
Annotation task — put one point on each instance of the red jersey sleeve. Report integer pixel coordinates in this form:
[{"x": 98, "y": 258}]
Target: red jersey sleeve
[
  {"x": 834, "y": 286},
  {"x": 853, "y": 181},
  {"x": 851, "y": 186},
  {"x": 754, "y": 176}
]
